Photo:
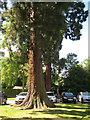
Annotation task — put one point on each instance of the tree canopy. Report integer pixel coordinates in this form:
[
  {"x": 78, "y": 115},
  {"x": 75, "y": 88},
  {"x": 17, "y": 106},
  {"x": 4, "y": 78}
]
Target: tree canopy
[
  {"x": 77, "y": 80},
  {"x": 51, "y": 20}
]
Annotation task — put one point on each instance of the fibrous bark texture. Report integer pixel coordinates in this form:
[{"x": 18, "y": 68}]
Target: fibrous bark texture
[
  {"x": 36, "y": 97},
  {"x": 48, "y": 77}
]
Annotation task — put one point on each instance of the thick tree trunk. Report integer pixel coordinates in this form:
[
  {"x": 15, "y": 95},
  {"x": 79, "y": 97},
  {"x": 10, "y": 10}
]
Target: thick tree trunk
[
  {"x": 36, "y": 97},
  {"x": 48, "y": 77}
]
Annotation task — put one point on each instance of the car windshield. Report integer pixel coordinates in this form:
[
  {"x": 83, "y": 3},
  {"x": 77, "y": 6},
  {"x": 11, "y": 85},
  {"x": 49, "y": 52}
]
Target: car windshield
[
  {"x": 86, "y": 94},
  {"x": 23, "y": 94},
  {"x": 50, "y": 94},
  {"x": 68, "y": 94}
]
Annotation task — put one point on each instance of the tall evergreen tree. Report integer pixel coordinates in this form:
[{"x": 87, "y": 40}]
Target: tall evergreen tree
[{"x": 40, "y": 26}]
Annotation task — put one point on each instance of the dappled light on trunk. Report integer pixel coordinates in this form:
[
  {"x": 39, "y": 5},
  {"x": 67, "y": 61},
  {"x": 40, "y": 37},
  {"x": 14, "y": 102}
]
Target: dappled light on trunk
[{"x": 48, "y": 77}]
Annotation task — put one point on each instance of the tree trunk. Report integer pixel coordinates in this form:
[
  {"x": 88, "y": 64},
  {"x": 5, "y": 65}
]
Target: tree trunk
[
  {"x": 36, "y": 97},
  {"x": 48, "y": 77}
]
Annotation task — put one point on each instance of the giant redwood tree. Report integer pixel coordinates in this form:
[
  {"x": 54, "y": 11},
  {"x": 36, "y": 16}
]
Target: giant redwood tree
[{"x": 41, "y": 26}]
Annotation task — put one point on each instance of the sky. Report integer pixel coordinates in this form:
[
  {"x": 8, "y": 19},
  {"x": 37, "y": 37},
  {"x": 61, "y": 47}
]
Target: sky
[{"x": 80, "y": 47}]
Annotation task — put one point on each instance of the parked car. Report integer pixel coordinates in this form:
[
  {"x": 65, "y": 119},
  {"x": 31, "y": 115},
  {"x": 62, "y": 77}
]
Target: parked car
[
  {"x": 3, "y": 98},
  {"x": 51, "y": 96},
  {"x": 83, "y": 97},
  {"x": 68, "y": 97},
  {"x": 20, "y": 97}
]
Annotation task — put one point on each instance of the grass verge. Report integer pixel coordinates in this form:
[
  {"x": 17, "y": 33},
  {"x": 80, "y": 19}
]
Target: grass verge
[
  {"x": 10, "y": 98},
  {"x": 63, "y": 111}
]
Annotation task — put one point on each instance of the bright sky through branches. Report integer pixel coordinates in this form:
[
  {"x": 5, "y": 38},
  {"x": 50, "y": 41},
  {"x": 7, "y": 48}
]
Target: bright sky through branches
[{"x": 80, "y": 47}]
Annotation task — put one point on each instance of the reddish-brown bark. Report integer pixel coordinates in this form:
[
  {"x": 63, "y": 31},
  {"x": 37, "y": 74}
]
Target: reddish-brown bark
[{"x": 36, "y": 97}]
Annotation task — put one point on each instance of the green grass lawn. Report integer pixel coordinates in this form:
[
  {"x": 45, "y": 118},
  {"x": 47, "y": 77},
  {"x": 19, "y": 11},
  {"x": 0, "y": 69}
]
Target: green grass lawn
[{"x": 63, "y": 111}]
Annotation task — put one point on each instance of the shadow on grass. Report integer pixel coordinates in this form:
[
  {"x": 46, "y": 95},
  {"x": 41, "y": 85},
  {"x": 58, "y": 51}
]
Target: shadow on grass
[
  {"x": 62, "y": 112},
  {"x": 66, "y": 114},
  {"x": 74, "y": 106},
  {"x": 25, "y": 118},
  {"x": 72, "y": 111}
]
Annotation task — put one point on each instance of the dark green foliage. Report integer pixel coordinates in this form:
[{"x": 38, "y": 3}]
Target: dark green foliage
[
  {"x": 11, "y": 93},
  {"x": 71, "y": 60},
  {"x": 75, "y": 77},
  {"x": 86, "y": 64},
  {"x": 3, "y": 7},
  {"x": 75, "y": 17},
  {"x": 76, "y": 80},
  {"x": 11, "y": 72}
]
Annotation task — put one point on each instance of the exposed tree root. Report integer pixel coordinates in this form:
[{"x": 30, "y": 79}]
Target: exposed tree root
[{"x": 35, "y": 101}]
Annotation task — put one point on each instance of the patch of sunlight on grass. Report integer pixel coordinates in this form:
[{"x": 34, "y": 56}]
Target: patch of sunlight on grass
[
  {"x": 71, "y": 113},
  {"x": 11, "y": 113},
  {"x": 73, "y": 105},
  {"x": 39, "y": 115},
  {"x": 70, "y": 116},
  {"x": 88, "y": 116},
  {"x": 61, "y": 111},
  {"x": 51, "y": 114},
  {"x": 82, "y": 110}
]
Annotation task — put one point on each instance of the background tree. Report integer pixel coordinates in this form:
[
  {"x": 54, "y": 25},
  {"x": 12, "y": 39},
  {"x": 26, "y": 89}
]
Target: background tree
[
  {"x": 62, "y": 70},
  {"x": 12, "y": 73},
  {"x": 70, "y": 61},
  {"x": 56, "y": 75},
  {"x": 86, "y": 66},
  {"x": 75, "y": 77},
  {"x": 52, "y": 63},
  {"x": 2, "y": 8},
  {"x": 22, "y": 74},
  {"x": 74, "y": 21},
  {"x": 76, "y": 80},
  {"x": 9, "y": 72}
]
